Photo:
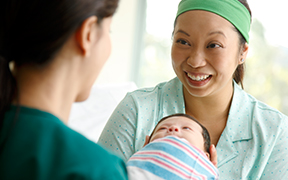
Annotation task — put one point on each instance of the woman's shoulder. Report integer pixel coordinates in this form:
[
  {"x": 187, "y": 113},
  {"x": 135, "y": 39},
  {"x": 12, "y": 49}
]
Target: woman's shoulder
[
  {"x": 247, "y": 104},
  {"x": 89, "y": 158},
  {"x": 264, "y": 110},
  {"x": 53, "y": 144},
  {"x": 73, "y": 146}
]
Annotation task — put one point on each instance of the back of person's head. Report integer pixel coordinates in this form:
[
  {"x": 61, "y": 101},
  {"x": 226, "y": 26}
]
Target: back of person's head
[
  {"x": 205, "y": 133},
  {"x": 33, "y": 31}
]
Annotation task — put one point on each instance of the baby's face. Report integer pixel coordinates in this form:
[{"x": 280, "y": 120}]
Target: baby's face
[{"x": 181, "y": 127}]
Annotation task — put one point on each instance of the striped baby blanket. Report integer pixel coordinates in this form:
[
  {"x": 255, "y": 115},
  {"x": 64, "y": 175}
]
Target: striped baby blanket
[{"x": 170, "y": 158}]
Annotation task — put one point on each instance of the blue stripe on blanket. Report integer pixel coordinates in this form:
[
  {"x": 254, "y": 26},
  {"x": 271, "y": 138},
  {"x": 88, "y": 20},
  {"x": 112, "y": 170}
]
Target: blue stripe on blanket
[
  {"x": 172, "y": 158},
  {"x": 161, "y": 159},
  {"x": 155, "y": 169}
]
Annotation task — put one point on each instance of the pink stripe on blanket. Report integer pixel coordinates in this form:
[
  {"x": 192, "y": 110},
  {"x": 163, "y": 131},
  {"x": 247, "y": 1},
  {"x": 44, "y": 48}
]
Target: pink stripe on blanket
[
  {"x": 192, "y": 154},
  {"x": 169, "y": 158},
  {"x": 171, "y": 168}
]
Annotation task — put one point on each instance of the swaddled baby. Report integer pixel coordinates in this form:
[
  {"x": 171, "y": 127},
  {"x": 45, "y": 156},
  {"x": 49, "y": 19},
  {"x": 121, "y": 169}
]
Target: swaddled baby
[{"x": 178, "y": 148}]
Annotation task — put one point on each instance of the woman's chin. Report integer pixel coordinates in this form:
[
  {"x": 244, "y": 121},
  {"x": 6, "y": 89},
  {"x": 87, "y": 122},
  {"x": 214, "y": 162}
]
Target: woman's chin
[
  {"x": 82, "y": 97},
  {"x": 196, "y": 92}
]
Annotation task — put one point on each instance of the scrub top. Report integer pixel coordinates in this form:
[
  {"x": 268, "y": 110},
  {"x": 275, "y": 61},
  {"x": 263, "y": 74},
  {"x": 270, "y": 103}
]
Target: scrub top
[
  {"x": 37, "y": 145},
  {"x": 253, "y": 145}
]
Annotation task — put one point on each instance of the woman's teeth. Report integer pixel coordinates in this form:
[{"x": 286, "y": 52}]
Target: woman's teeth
[{"x": 197, "y": 78}]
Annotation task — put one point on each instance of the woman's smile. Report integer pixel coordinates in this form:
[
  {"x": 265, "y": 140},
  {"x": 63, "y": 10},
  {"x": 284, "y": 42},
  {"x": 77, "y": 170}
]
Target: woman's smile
[{"x": 198, "y": 79}]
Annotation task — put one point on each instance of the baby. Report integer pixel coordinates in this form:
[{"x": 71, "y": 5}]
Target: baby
[{"x": 178, "y": 148}]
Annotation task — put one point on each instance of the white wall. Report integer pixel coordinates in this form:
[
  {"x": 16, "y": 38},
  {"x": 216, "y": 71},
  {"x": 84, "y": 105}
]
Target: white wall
[{"x": 119, "y": 65}]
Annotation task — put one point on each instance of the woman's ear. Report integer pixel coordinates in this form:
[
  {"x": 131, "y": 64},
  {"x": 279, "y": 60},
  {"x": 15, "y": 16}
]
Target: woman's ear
[
  {"x": 86, "y": 35},
  {"x": 147, "y": 139},
  {"x": 244, "y": 52}
]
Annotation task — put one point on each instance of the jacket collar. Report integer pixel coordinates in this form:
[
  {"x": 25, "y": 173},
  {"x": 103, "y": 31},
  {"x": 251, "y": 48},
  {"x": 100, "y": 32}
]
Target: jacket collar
[
  {"x": 238, "y": 127},
  {"x": 239, "y": 119}
]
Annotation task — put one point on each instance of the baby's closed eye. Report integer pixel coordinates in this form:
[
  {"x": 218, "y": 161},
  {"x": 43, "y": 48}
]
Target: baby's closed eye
[{"x": 188, "y": 128}]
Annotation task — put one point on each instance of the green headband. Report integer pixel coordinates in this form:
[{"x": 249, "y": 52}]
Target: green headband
[{"x": 232, "y": 10}]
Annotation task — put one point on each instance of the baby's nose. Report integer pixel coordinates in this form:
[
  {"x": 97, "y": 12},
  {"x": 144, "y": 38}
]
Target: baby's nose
[{"x": 171, "y": 129}]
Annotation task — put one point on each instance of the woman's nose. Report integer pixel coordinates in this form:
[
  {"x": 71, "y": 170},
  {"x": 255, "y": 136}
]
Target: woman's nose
[
  {"x": 173, "y": 129},
  {"x": 196, "y": 59}
]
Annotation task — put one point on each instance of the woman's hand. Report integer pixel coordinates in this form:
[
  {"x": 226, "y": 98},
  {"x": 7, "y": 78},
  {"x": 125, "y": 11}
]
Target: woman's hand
[{"x": 213, "y": 154}]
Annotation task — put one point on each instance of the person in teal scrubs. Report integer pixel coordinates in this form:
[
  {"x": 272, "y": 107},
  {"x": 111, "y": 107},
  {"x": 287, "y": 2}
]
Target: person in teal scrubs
[
  {"x": 209, "y": 48},
  {"x": 51, "y": 52}
]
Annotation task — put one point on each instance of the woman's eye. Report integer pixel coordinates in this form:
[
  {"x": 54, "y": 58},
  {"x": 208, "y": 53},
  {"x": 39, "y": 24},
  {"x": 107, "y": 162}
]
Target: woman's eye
[
  {"x": 213, "y": 46},
  {"x": 183, "y": 42}
]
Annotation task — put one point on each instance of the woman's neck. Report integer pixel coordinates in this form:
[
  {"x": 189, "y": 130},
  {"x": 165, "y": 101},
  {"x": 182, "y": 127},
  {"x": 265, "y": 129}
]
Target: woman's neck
[
  {"x": 210, "y": 111},
  {"x": 50, "y": 90}
]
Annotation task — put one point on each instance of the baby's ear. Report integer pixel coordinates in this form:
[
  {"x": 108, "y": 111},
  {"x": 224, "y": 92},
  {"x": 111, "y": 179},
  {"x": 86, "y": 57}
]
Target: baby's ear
[
  {"x": 208, "y": 155},
  {"x": 147, "y": 138}
]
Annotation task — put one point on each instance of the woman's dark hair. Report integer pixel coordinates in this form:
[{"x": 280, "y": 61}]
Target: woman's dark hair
[
  {"x": 33, "y": 31},
  {"x": 205, "y": 133},
  {"x": 238, "y": 75}
]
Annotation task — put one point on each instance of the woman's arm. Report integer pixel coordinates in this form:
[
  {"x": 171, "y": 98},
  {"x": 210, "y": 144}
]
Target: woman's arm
[{"x": 119, "y": 133}]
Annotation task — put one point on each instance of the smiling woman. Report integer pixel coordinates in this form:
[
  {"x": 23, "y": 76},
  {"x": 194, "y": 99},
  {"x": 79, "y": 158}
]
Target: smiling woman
[
  {"x": 268, "y": 50},
  {"x": 208, "y": 50}
]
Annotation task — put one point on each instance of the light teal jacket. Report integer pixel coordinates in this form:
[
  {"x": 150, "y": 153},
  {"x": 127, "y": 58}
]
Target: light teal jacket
[{"x": 254, "y": 144}]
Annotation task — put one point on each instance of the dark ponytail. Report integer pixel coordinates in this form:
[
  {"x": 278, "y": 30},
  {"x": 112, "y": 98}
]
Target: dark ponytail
[
  {"x": 7, "y": 87},
  {"x": 32, "y": 33},
  {"x": 7, "y": 81}
]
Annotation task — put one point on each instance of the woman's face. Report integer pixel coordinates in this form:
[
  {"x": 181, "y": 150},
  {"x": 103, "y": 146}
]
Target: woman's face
[
  {"x": 99, "y": 54},
  {"x": 205, "y": 53},
  {"x": 102, "y": 47}
]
